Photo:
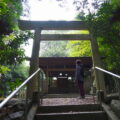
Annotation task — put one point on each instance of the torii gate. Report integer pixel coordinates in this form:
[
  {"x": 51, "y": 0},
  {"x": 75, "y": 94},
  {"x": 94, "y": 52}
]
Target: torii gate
[{"x": 38, "y": 26}]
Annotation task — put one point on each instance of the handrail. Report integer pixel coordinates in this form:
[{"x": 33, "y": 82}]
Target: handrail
[
  {"x": 115, "y": 75},
  {"x": 17, "y": 89}
]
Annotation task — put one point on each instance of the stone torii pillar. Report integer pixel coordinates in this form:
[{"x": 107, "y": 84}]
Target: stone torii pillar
[
  {"x": 34, "y": 65},
  {"x": 99, "y": 76}
]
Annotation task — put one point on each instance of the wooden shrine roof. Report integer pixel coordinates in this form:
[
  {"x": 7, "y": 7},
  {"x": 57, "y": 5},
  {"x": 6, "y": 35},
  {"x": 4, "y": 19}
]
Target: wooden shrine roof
[{"x": 65, "y": 65}]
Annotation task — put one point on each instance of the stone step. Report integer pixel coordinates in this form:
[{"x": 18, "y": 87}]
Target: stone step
[
  {"x": 75, "y": 95},
  {"x": 93, "y": 115},
  {"x": 67, "y": 108}
]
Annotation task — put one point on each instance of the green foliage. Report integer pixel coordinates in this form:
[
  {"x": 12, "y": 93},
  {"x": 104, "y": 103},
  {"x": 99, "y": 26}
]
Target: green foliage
[
  {"x": 11, "y": 40},
  {"x": 79, "y": 48},
  {"x": 11, "y": 53},
  {"x": 10, "y": 47},
  {"x": 107, "y": 35},
  {"x": 115, "y": 3},
  {"x": 54, "y": 49},
  {"x": 10, "y": 11},
  {"x": 3, "y": 69},
  {"x": 14, "y": 77}
]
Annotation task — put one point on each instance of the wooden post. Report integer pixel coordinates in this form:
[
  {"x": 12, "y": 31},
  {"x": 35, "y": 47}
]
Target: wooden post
[
  {"x": 34, "y": 65},
  {"x": 46, "y": 82},
  {"x": 99, "y": 76}
]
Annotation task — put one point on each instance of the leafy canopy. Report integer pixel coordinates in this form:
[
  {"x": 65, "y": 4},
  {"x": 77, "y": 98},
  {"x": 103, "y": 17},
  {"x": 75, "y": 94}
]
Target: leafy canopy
[
  {"x": 54, "y": 49},
  {"x": 10, "y": 11},
  {"x": 79, "y": 48},
  {"x": 106, "y": 33},
  {"x": 11, "y": 38}
]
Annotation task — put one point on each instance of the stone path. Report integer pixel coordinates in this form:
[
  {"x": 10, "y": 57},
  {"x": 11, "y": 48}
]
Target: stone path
[{"x": 69, "y": 101}]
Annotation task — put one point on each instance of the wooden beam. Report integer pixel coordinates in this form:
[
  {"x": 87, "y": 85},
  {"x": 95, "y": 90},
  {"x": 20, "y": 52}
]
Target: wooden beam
[
  {"x": 52, "y": 25},
  {"x": 61, "y": 69},
  {"x": 47, "y": 37}
]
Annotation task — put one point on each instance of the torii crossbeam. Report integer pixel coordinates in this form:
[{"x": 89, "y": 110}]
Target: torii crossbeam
[{"x": 52, "y": 25}]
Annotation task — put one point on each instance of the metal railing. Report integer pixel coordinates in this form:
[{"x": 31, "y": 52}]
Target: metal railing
[
  {"x": 17, "y": 89},
  {"x": 110, "y": 73},
  {"x": 114, "y": 76}
]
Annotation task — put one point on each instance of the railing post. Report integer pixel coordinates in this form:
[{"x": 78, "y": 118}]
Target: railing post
[
  {"x": 36, "y": 95},
  {"x": 46, "y": 82},
  {"x": 101, "y": 96},
  {"x": 36, "y": 98},
  {"x": 117, "y": 85},
  {"x": 110, "y": 73},
  {"x": 41, "y": 87},
  {"x": 42, "y": 83}
]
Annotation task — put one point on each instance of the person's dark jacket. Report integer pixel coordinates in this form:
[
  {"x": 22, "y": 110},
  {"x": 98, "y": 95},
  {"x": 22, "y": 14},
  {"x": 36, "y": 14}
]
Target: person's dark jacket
[{"x": 79, "y": 75}]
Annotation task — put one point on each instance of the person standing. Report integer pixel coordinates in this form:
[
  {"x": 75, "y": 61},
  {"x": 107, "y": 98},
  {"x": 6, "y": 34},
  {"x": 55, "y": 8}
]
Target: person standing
[{"x": 79, "y": 76}]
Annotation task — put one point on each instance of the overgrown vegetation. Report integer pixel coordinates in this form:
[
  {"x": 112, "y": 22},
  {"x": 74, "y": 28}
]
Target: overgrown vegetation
[
  {"x": 106, "y": 33},
  {"x": 10, "y": 11},
  {"x": 11, "y": 39},
  {"x": 12, "y": 79}
]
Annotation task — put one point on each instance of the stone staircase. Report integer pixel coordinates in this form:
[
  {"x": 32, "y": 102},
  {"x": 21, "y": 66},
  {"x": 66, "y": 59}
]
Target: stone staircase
[{"x": 71, "y": 112}]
